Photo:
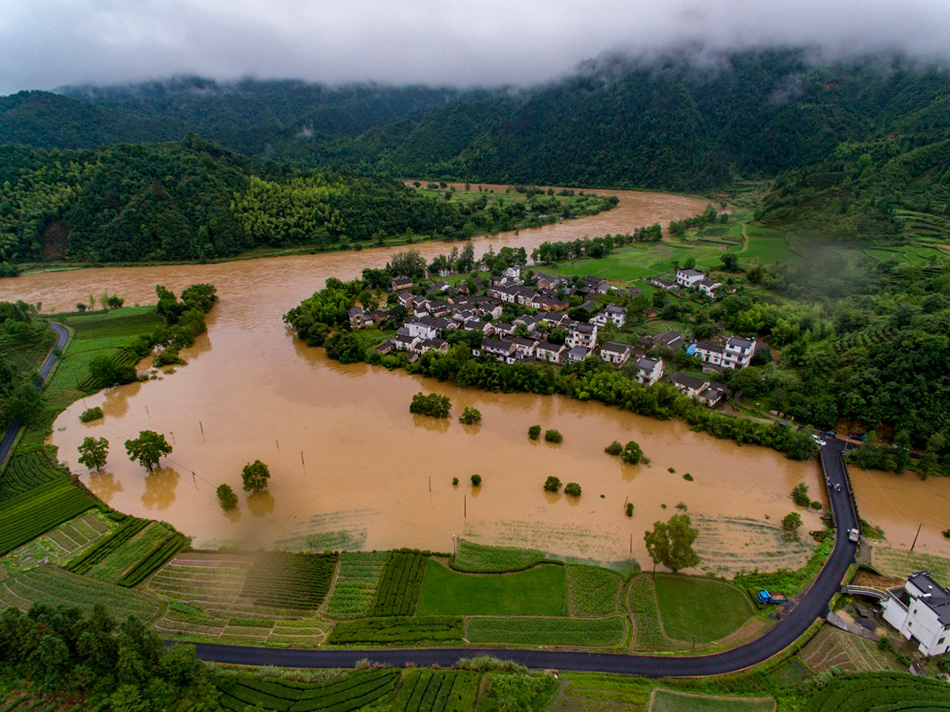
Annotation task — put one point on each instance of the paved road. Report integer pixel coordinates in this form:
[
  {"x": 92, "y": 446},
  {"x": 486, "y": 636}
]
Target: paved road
[
  {"x": 62, "y": 336},
  {"x": 812, "y": 605}
]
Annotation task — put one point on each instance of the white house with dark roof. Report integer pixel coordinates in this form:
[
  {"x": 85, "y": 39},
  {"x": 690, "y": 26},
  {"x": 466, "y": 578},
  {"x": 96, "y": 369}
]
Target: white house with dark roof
[
  {"x": 708, "y": 287},
  {"x": 579, "y": 334},
  {"x": 578, "y": 353},
  {"x": 920, "y": 611},
  {"x": 545, "y": 351},
  {"x": 689, "y": 278},
  {"x": 710, "y": 352},
  {"x": 689, "y": 385},
  {"x": 423, "y": 328},
  {"x": 649, "y": 370},
  {"x": 738, "y": 352},
  {"x": 615, "y": 353},
  {"x": 664, "y": 284}
]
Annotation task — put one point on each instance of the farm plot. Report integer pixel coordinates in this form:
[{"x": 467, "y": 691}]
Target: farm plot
[
  {"x": 398, "y": 630},
  {"x": 30, "y": 514},
  {"x": 356, "y": 584},
  {"x": 646, "y": 617},
  {"x": 285, "y": 580},
  {"x": 593, "y": 591},
  {"x": 897, "y": 563},
  {"x": 59, "y": 544},
  {"x": 438, "y": 691},
  {"x": 871, "y": 692},
  {"x": 703, "y": 609},
  {"x": 55, "y": 586},
  {"x": 136, "y": 549},
  {"x": 541, "y": 591},
  {"x": 400, "y": 583},
  {"x": 350, "y": 692},
  {"x": 27, "y": 470},
  {"x": 599, "y": 691},
  {"x": 669, "y": 701},
  {"x": 833, "y": 647},
  {"x": 764, "y": 547},
  {"x": 571, "y": 632},
  {"x": 477, "y": 558}
]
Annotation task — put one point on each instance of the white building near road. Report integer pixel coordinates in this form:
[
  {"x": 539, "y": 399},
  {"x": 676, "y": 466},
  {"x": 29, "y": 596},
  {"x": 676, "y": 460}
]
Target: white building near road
[{"x": 920, "y": 611}]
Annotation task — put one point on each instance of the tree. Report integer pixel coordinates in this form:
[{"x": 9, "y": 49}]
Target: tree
[
  {"x": 470, "y": 416},
  {"x": 148, "y": 448},
  {"x": 553, "y": 436},
  {"x": 791, "y": 522},
  {"x": 552, "y": 484},
  {"x": 432, "y": 405},
  {"x": 226, "y": 497},
  {"x": 671, "y": 543},
  {"x": 572, "y": 489},
  {"x": 255, "y": 475},
  {"x": 93, "y": 452},
  {"x": 800, "y": 495},
  {"x": 632, "y": 454},
  {"x": 534, "y": 432},
  {"x": 476, "y": 480},
  {"x": 615, "y": 448},
  {"x": 730, "y": 262}
]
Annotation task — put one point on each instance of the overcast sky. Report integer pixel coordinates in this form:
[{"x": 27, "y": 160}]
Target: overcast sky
[{"x": 50, "y": 43}]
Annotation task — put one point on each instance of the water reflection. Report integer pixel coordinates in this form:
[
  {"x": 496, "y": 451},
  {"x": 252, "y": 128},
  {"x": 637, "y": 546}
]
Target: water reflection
[
  {"x": 104, "y": 485},
  {"x": 116, "y": 401},
  {"x": 260, "y": 504},
  {"x": 160, "y": 487},
  {"x": 436, "y": 425}
]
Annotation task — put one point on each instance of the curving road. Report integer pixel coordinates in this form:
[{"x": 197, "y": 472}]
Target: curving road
[
  {"x": 811, "y": 606},
  {"x": 62, "y": 336}
]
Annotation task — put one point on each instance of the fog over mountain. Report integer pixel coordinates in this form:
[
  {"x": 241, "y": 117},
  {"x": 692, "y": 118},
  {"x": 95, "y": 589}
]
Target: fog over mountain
[{"x": 488, "y": 43}]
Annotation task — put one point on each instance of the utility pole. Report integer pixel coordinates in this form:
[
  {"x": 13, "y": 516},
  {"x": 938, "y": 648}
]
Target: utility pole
[{"x": 916, "y": 535}]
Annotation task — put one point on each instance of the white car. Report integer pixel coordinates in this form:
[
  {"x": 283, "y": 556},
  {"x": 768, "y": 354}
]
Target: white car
[{"x": 818, "y": 441}]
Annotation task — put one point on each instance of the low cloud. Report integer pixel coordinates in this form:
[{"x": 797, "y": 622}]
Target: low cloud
[{"x": 487, "y": 43}]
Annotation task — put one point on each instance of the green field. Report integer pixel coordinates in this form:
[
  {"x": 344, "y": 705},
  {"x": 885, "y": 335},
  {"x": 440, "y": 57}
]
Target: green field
[
  {"x": 573, "y": 632},
  {"x": 478, "y": 558},
  {"x": 704, "y": 608},
  {"x": 398, "y": 630},
  {"x": 346, "y": 693},
  {"x": 399, "y": 584},
  {"x": 541, "y": 591},
  {"x": 599, "y": 691},
  {"x": 667, "y": 701},
  {"x": 593, "y": 591},
  {"x": 438, "y": 690},
  {"x": 648, "y": 633},
  {"x": 882, "y": 692},
  {"x": 356, "y": 583}
]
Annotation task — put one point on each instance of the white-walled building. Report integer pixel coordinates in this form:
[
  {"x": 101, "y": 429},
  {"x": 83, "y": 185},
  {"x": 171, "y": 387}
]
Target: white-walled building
[
  {"x": 920, "y": 611},
  {"x": 579, "y": 334},
  {"x": 738, "y": 352},
  {"x": 615, "y": 353},
  {"x": 649, "y": 370},
  {"x": 689, "y": 278}
]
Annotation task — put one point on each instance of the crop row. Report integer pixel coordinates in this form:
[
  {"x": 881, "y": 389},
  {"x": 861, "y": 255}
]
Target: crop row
[
  {"x": 882, "y": 691},
  {"x": 476, "y": 558},
  {"x": 397, "y": 629},
  {"x": 646, "y": 614},
  {"x": 344, "y": 694},
  {"x": 587, "y": 632},
  {"x": 156, "y": 558},
  {"x": 399, "y": 586},
  {"x": 28, "y": 471},
  {"x": 356, "y": 584},
  {"x": 290, "y": 580},
  {"x": 30, "y": 514},
  {"x": 97, "y": 553},
  {"x": 438, "y": 691},
  {"x": 593, "y": 590}
]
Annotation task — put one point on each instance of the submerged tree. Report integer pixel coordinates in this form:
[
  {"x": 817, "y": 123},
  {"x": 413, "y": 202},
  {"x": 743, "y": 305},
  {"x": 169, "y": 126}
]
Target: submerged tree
[
  {"x": 255, "y": 476},
  {"x": 93, "y": 452},
  {"x": 226, "y": 497},
  {"x": 148, "y": 448},
  {"x": 671, "y": 543}
]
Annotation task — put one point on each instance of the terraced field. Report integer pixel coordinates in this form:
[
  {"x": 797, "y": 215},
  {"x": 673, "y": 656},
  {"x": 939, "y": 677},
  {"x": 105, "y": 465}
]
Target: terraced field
[
  {"x": 833, "y": 647},
  {"x": 349, "y": 692},
  {"x": 356, "y": 584},
  {"x": 54, "y": 586},
  {"x": 438, "y": 691},
  {"x": 27, "y": 515},
  {"x": 205, "y": 591}
]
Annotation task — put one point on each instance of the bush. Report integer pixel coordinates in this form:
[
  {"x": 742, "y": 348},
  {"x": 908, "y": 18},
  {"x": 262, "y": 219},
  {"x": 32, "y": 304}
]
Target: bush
[
  {"x": 226, "y": 498},
  {"x": 632, "y": 454},
  {"x": 688, "y": 477},
  {"x": 800, "y": 495},
  {"x": 553, "y": 436},
  {"x": 455, "y": 481},
  {"x": 791, "y": 522},
  {"x": 615, "y": 448},
  {"x": 946, "y": 533},
  {"x": 432, "y": 405},
  {"x": 90, "y": 414},
  {"x": 630, "y": 509},
  {"x": 552, "y": 484},
  {"x": 573, "y": 489},
  {"x": 476, "y": 480},
  {"x": 470, "y": 416},
  {"x": 534, "y": 432}
]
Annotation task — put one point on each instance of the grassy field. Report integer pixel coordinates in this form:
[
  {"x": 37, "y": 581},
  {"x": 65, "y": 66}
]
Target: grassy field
[
  {"x": 668, "y": 701},
  {"x": 601, "y": 692},
  {"x": 54, "y": 586},
  {"x": 899, "y": 563},
  {"x": 493, "y": 559},
  {"x": 593, "y": 591},
  {"x": 398, "y": 630},
  {"x": 541, "y": 591},
  {"x": 702, "y": 608},
  {"x": 648, "y": 633},
  {"x": 573, "y": 632}
]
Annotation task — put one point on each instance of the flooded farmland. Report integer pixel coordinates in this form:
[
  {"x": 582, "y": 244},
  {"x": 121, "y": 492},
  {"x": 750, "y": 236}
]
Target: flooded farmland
[{"x": 351, "y": 467}]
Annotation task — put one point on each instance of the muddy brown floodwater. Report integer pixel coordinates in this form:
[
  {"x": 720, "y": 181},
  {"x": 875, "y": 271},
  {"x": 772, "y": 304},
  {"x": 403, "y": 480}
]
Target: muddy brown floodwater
[{"x": 351, "y": 467}]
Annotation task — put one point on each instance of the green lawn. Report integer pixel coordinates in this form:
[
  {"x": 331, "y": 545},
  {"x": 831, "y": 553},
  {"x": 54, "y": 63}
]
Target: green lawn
[
  {"x": 705, "y": 608},
  {"x": 666, "y": 701},
  {"x": 541, "y": 591},
  {"x": 573, "y": 632}
]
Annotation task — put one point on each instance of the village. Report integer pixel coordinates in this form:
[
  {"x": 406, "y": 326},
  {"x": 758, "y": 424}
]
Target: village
[{"x": 541, "y": 331}]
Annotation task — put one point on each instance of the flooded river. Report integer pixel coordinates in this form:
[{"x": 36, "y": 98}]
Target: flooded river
[{"x": 351, "y": 467}]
